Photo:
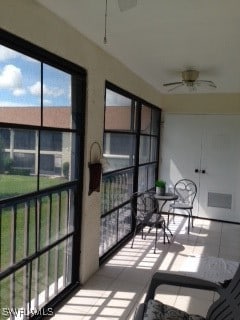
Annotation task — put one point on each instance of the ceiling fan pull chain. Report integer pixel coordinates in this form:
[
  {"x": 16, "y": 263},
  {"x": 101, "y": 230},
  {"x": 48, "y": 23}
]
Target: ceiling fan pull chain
[{"x": 105, "y": 26}]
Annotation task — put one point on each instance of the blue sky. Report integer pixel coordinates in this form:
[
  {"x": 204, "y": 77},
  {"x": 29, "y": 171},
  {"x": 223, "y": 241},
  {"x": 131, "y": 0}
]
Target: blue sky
[{"x": 20, "y": 82}]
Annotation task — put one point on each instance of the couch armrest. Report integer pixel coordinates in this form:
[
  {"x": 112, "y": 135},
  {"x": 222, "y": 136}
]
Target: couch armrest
[{"x": 139, "y": 313}]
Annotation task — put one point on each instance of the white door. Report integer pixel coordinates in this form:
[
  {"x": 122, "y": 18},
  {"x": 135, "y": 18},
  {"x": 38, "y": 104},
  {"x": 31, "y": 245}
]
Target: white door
[
  {"x": 209, "y": 145},
  {"x": 219, "y": 198},
  {"x": 181, "y": 149}
]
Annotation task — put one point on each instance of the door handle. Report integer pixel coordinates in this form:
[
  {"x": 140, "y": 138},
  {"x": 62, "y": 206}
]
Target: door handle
[{"x": 200, "y": 171}]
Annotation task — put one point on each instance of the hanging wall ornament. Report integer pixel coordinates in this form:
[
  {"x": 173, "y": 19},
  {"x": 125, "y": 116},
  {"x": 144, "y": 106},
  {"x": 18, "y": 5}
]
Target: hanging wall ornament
[{"x": 95, "y": 169}]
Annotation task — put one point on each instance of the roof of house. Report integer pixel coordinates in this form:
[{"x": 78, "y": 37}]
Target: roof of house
[{"x": 52, "y": 116}]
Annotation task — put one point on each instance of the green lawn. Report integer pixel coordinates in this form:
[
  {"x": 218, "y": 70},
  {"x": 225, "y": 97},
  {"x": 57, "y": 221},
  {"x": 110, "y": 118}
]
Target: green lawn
[{"x": 13, "y": 185}]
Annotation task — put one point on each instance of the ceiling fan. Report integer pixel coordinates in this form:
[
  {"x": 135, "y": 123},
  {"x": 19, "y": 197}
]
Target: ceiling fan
[{"x": 190, "y": 80}]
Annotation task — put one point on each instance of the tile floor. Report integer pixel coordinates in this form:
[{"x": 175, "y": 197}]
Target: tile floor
[{"x": 120, "y": 284}]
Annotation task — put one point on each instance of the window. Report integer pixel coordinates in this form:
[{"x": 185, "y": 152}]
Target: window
[
  {"x": 24, "y": 160},
  {"x": 131, "y": 144},
  {"x": 51, "y": 141},
  {"x": 4, "y": 138},
  {"x": 41, "y": 121},
  {"x": 24, "y": 139}
]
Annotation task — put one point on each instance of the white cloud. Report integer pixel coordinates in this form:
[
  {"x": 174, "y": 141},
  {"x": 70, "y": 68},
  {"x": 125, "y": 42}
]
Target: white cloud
[
  {"x": 7, "y": 54},
  {"x": 19, "y": 92},
  {"x": 7, "y": 103},
  {"x": 35, "y": 89},
  {"x": 11, "y": 78},
  {"x": 53, "y": 91},
  {"x": 47, "y": 102}
]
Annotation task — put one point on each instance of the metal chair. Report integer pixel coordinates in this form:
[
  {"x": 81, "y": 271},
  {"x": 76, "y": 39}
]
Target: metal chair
[
  {"x": 226, "y": 307},
  {"x": 146, "y": 213},
  {"x": 186, "y": 191}
]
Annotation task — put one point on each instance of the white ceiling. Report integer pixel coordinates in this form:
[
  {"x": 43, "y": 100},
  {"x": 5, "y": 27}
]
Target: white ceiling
[{"x": 157, "y": 39}]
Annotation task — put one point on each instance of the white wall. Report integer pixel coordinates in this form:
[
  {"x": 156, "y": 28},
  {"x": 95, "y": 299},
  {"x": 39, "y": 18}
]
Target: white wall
[
  {"x": 202, "y": 103},
  {"x": 30, "y": 21}
]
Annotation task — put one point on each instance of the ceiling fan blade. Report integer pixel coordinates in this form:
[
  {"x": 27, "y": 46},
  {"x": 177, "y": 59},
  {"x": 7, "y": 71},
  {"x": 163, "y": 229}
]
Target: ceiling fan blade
[
  {"x": 207, "y": 82},
  {"x": 126, "y": 4},
  {"x": 177, "y": 86},
  {"x": 172, "y": 83}
]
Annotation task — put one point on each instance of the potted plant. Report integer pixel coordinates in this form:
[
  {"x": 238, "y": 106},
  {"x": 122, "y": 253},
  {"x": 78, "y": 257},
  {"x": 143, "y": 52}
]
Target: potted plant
[{"x": 160, "y": 187}]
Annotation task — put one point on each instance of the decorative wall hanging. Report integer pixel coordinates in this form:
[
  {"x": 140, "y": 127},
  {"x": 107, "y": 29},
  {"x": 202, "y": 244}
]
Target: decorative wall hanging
[{"x": 95, "y": 169}]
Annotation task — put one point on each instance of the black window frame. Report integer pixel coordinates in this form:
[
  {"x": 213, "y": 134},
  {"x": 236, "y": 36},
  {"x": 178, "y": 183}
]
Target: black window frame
[
  {"x": 79, "y": 79},
  {"x": 135, "y": 130}
]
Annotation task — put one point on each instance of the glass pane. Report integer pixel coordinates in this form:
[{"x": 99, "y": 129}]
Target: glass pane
[
  {"x": 56, "y": 98},
  {"x": 32, "y": 227},
  {"x": 44, "y": 221},
  {"x": 64, "y": 214},
  {"x": 116, "y": 189},
  {"x": 20, "y": 233},
  {"x": 20, "y": 89},
  {"x": 5, "y": 289},
  {"x": 151, "y": 176},
  {"x": 71, "y": 210},
  {"x": 108, "y": 237},
  {"x": 54, "y": 226},
  {"x": 144, "y": 150},
  {"x": 124, "y": 221},
  {"x": 153, "y": 149},
  {"x": 6, "y": 231},
  {"x": 142, "y": 179},
  {"x": 20, "y": 289},
  {"x": 146, "y": 120},
  {"x": 118, "y": 112},
  {"x": 146, "y": 177},
  {"x": 119, "y": 150},
  {"x": 56, "y": 149},
  {"x": 155, "y": 121}
]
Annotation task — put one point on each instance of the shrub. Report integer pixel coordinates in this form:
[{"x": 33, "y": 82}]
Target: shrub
[{"x": 66, "y": 169}]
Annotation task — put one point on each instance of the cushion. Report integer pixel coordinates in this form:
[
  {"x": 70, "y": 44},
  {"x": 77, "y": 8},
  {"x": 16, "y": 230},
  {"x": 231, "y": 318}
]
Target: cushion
[{"x": 158, "y": 311}]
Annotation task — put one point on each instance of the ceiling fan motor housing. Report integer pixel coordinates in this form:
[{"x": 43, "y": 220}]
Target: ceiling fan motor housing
[{"x": 190, "y": 75}]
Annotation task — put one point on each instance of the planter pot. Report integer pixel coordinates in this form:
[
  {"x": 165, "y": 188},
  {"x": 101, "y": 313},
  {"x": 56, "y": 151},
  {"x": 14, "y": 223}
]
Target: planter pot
[{"x": 160, "y": 191}]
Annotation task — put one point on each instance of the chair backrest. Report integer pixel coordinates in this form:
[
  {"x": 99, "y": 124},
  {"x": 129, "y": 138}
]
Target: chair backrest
[
  {"x": 186, "y": 190},
  {"x": 227, "y": 307},
  {"x": 144, "y": 205}
]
